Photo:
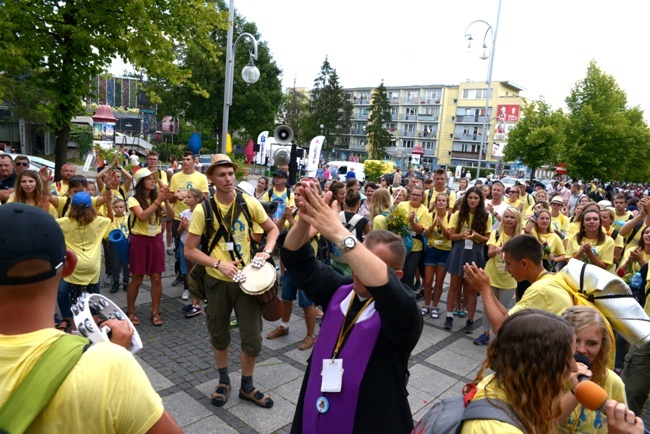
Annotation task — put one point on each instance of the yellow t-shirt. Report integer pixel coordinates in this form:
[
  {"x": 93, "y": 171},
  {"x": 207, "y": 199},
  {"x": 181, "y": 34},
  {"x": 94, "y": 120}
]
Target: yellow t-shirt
[
  {"x": 482, "y": 426},
  {"x": 162, "y": 175},
  {"x": 619, "y": 221},
  {"x": 422, "y": 216},
  {"x": 604, "y": 251},
  {"x": 86, "y": 242},
  {"x": 150, "y": 228},
  {"x": 238, "y": 227},
  {"x": 380, "y": 222},
  {"x": 496, "y": 267},
  {"x": 106, "y": 392},
  {"x": 560, "y": 223},
  {"x": 572, "y": 229},
  {"x": 467, "y": 226},
  {"x": 121, "y": 223},
  {"x": 51, "y": 210},
  {"x": 289, "y": 200},
  {"x": 120, "y": 193},
  {"x": 65, "y": 199},
  {"x": 182, "y": 182},
  {"x": 59, "y": 188},
  {"x": 549, "y": 293},
  {"x": 434, "y": 196},
  {"x": 437, "y": 238},
  {"x": 583, "y": 421},
  {"x": 554, "y": 243}
]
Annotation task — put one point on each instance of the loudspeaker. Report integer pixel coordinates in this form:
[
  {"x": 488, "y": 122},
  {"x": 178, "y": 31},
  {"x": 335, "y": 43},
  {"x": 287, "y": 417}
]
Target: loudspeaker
[
  {"x": 256, "y": 147},
  {"x": 283, "y": 135},
  {"x": 300, "y": 153},
  {"x": 281, "y": 157}
]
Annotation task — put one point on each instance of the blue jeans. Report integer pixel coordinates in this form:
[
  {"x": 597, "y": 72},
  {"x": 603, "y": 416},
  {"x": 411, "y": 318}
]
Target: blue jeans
[
  {"x": 69, "y": 293},
  {"x": 180, "y": 256},
  {"x": 290, "y": 290},
  {"x": 118, "y": 266}
]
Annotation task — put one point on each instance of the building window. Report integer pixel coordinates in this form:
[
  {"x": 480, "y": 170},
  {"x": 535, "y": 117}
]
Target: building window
[
  {"x": 390, "y": 127},
  {"x": 393, "y": 111},
  {"x": 408, "y": 143},
  {"x": 428, "y": 146}
]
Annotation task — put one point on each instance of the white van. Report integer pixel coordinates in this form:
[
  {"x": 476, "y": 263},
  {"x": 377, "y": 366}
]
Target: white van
[{"x": 344, "y": 166}]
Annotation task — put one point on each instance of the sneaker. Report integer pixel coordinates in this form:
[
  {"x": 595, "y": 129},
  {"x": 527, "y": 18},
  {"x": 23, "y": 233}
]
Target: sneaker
[
  {"x": 194, "y": 311},
  {"x": 186, "y": 294},
  {"x": 233, "y": 324},
  {"x": 179, "y": 279},
  {"x": 170, "y": 251},
  {"x": 435, "y": 313},
  {"x": 278, "y": 332},
  {"x": 307, "y": 343},
  {"x": 319, "y": 313},
  {"x": 125, "y": 287},
  {"x": 418, "y": 284},
  {"x": 449, "y": 321},
  {"x": 115, "y": 288},
  {"x": 469, "y": 326},
  {"x": 455, "y": 312},
  {"x": 419, "y": 295},
  {"x": 187, "y": 308},
  {"x": 425, "y": 310},
  {"x": 462, "y": 314},
  {"x": 484, "y": 339}
]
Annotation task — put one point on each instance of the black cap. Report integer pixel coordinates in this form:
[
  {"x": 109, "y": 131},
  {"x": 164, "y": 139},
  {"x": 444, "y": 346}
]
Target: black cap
[
  {"x": 28, "y": 232},
  {"x": 281, "y": 174}
]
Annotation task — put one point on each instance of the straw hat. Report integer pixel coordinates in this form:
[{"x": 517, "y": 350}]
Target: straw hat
[{"x": 220, "y": 160}]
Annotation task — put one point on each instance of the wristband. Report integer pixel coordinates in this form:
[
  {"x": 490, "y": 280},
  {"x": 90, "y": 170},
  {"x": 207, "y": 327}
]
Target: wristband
[{"x": 216, "y": 264}]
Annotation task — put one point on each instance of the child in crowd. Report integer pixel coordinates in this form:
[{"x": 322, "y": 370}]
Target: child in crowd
[
  {"x": 121, "y": 222},
  {"x": 193, "y": 198}
]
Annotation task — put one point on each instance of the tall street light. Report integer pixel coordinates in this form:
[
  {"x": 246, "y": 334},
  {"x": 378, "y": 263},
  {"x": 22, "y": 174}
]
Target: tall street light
[
  {"x": 487, "y": 52},
  {"x": 250, "y": 73}
]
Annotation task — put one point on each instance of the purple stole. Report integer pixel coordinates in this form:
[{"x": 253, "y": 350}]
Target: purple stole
[{"x": 356, "y": 353}]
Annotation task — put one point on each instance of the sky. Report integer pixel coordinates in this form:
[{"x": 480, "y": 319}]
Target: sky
[{"x": 544, "y": 47}]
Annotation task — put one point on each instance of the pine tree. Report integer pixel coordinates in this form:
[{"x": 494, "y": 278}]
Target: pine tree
[{"x": 378, "y": 137}]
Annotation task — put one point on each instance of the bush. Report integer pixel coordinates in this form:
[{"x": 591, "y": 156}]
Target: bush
[{"x": 373, "y": 170}]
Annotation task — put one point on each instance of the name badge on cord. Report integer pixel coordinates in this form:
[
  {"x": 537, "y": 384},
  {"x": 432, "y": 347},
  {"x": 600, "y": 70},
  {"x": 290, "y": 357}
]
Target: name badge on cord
[
  {"x": 332, "y": 374},
  {"x": 152, "y": 230},
  {"x": 437, "y": 242},
  {"x": 469, "y": 244},
  {"x": 228, "y": 247}
]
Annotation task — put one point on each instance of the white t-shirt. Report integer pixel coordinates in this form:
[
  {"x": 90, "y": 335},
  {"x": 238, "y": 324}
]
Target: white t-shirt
[{"x": 188, "y": 215}]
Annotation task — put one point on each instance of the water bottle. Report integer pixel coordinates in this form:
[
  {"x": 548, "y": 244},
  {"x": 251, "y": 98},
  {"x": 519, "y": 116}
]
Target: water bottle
[{"x": 636, "y": 283}]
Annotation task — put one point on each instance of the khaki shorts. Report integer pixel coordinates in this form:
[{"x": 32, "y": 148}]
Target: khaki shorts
[{"x": 222, "y": 298}]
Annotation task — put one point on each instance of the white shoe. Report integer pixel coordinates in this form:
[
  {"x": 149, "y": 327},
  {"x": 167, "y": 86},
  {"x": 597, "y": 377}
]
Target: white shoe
[{"x": 186, "y": 294}]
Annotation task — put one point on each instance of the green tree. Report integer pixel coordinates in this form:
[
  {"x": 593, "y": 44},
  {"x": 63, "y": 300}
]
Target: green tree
[
  {"x": 605, "y": 139},
  {"x": 294, "y": 112},
  {"x": 378, "y": 137},
  {"x": 63, "y": 45},
  {"x": 330, "y": 107},
  {"x": 538, "y": 137}
]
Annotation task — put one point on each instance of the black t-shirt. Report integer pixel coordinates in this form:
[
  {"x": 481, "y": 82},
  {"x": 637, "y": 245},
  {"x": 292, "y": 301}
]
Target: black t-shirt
[{"x": 9, "y": 182}]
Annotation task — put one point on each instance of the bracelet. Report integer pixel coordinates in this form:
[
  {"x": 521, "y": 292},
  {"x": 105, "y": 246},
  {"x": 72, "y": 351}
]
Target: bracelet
[
  {"x": 156, "y": 203},
  {"x": 216, "y": 264},
  {"x": 270, "y": 252}
]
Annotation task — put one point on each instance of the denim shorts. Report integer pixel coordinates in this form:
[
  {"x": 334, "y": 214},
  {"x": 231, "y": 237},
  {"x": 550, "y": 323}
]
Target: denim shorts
[
  {"x": 435, "y": 257},
  {"x": 290, "y": 290}
]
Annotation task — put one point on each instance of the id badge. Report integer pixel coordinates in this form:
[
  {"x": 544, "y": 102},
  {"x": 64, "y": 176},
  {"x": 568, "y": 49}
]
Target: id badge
[
  {"x": 501, "y": 267},
  {"x": 437, "y": 242},
  {"x": 228, "y": 247},
  {"x": 332, "y": 375},
  {"x": 151, "y": 230},
  {"x": 469, "y": 244}
]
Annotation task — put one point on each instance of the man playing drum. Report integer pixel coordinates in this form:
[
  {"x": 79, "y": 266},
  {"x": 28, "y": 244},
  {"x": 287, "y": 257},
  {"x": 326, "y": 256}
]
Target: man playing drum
[
  {"x": 356, "y": 377},
  {"x": 231, "y": 253}
]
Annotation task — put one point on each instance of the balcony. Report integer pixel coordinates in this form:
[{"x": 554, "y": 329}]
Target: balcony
[
  {"x": 361, "y": 101},
  {"x": 427, "y": 118},
  {"x": 468, "y": 155},
  {"x": 468, "y": 137},
  {"x": 426, "y": 134},
  {"x": 408, "y": 133},
  {"x": 405, "y": 117},
  {"x": 411, "y": 100},
  {"x": 430, "y": 101},
  {"x": 471, "y": 119}
]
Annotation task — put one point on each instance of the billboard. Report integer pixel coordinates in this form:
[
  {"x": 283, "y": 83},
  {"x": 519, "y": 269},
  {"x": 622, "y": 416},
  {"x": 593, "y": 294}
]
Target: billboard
[
  {"x": 508, "y": 113},
  {"x": 128, "y": 124},
  {"x": 104, "y": 134},
  {"x": 169, "y": 125}
]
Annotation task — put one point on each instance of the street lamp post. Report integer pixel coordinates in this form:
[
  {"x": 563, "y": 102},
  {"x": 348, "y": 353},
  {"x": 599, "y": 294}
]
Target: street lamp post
[
  {"x": 250, "y": 73},
  {"x": 488, "y": 52}
]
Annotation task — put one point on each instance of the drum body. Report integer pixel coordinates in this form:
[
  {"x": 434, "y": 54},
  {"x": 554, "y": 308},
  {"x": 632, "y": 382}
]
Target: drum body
[{"x": 262, "y": 284}]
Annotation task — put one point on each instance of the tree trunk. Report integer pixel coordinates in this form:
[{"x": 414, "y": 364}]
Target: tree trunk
[
  {"x": 61, "y": 149},
  {"x": 532, "y": 175}
]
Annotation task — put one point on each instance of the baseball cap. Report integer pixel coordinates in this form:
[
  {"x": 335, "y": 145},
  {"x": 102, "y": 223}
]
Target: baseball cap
[
  {"x": 28, "y": 232},
  {"x": 281, "y": 174},
  {"x": 82, "y": 199},
  {"x": 141, "y": 174},
  {"x": 220, "y": 160}
]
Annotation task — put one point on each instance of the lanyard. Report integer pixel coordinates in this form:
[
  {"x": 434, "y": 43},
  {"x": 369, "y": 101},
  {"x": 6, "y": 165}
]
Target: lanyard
[{"x": 344, "y": 332}]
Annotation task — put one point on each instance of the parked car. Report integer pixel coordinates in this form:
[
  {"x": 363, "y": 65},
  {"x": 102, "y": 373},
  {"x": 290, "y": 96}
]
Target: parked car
[
  {"x": 205, "y": 162},
  {"x": 344, "y": 166},
  {"x": 508, "y": 182},
  {"x": 35, "y": 163},
  {"x": 405, "y": 180},
  {"x": 472, "y": 183}
]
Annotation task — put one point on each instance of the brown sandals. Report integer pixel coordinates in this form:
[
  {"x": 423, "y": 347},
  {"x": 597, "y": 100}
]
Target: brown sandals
[
  {"x": 220, "y": 396},
  {"x": 134, "y": 319},
  {"x": 257, "y": 397},
  {"x": 156, "y": 320}
]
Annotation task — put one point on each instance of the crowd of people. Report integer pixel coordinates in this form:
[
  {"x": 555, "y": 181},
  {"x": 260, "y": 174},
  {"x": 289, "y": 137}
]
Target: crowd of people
[{"x": 362, "y": 257}]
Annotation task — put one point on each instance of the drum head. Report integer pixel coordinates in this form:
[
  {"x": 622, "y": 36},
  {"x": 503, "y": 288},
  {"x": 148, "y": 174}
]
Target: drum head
[{"x": 258, "y": 280}]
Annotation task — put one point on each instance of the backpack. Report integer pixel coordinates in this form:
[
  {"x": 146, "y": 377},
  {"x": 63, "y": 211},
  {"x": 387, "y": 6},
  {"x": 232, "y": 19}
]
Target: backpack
[
  {"x": 323, "y": 249},
  {"x": 448, "y": 191},
  {"x": 42, "y": 382},
  {"x": 351, "y": 227},
  {"x": 639, "y": 291},
  {"x": 447, "y": 416}
]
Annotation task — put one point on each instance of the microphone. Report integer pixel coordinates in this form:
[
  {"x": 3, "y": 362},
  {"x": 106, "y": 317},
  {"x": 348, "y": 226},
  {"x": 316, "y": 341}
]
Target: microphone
[
  {"x": 581, "y": 358},
  {"x": 591, "y": 396}
]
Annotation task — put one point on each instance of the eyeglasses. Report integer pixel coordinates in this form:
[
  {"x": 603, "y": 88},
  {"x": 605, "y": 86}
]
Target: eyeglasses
[
  {"x": 416, "y": 195},
  {"x": 21, "y": 163}
]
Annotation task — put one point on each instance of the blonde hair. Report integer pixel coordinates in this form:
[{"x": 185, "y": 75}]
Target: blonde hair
[
  {"x": 381, "y": 201},
  {"x": 518, "y": 227}
]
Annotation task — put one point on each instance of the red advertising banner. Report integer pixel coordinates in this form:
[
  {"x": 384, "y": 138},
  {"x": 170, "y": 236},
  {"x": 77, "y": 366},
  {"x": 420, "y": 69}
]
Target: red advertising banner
[{"x": 508, "y": 113}]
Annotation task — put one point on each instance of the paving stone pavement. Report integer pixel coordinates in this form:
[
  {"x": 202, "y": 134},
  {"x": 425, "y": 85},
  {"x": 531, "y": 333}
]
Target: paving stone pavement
[{"x": 178, "y": 360}]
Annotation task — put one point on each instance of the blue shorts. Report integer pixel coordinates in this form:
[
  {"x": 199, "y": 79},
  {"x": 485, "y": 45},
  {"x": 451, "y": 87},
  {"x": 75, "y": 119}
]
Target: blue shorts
[
  {"x": 290, "y": 290},
  {"x": 435, "y": 257}
]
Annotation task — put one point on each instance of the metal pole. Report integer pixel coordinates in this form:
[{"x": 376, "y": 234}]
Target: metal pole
[
  {"x": 227, "y": 90},
  {"x": 486, "y": 123}
]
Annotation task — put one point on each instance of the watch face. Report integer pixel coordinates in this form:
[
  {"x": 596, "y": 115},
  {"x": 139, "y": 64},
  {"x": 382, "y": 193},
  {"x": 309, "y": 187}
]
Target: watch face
[{"x": 349, "y": 242}]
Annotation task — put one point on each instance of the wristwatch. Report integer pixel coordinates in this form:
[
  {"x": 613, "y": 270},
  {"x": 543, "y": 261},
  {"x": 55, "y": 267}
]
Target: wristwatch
[
  {"x": 348, "y": 244},
  {"x": 270, "y": 252}
]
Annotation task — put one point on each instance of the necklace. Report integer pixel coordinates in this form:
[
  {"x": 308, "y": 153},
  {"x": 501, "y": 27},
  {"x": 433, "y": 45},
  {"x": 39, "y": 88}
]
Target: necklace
[{"x": 82, "y": 235}]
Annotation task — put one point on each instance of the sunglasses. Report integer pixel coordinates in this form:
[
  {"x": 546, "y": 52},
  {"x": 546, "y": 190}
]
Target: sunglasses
[{"x": 22, "y": 163}]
